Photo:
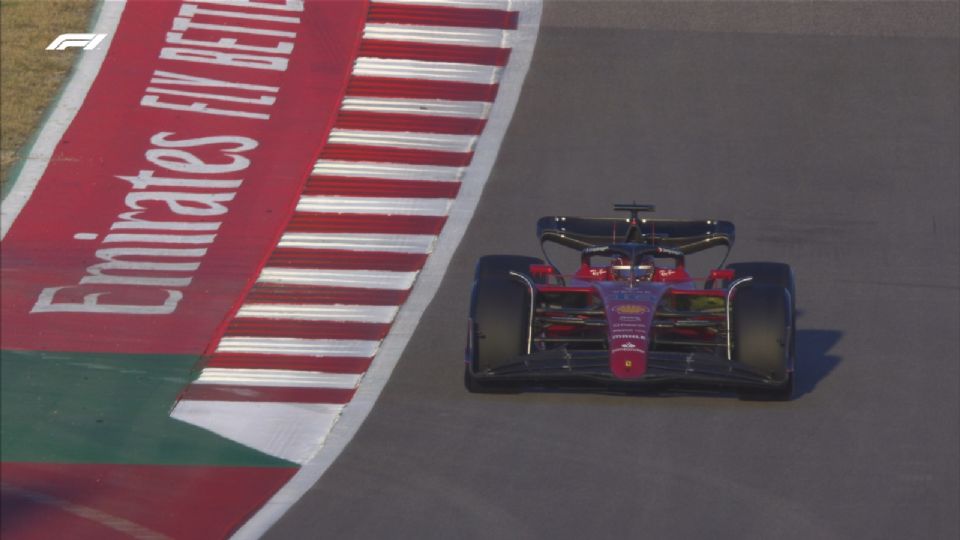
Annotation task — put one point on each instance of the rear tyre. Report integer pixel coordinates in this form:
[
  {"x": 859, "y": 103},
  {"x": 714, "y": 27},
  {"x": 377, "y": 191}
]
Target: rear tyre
[
  {"x": 493, "y": 311},
  {"x": 780, "y": 275},
  {"x": 500, "y": 311},
  {"x": 767, "y": 273},
  {"x": 762, "y": 325}
]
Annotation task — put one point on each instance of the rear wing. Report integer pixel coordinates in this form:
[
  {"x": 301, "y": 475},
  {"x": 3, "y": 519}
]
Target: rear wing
[{"x": 684, "y": 236}]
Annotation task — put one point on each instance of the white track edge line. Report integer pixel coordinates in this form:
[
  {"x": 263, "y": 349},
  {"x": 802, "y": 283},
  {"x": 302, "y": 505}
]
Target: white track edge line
[
  {"x": 426, "y": 285},
  {"x": 64, "y": 110}
]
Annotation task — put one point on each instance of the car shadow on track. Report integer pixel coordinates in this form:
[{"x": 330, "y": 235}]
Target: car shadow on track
[{"x": 814, "y": 361}]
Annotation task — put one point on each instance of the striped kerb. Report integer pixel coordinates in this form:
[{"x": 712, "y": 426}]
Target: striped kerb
[{"x": 416, "y": 104}]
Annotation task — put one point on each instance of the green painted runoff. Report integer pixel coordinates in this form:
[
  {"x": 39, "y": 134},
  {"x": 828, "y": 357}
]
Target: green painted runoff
[{"x": 106, "y": 408}]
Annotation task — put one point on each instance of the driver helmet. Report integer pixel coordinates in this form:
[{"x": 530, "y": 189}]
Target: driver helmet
[{"x": 642, "y": 272}]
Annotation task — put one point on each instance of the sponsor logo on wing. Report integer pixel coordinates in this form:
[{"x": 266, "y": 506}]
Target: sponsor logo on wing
[{"x": 631, "y": 309}]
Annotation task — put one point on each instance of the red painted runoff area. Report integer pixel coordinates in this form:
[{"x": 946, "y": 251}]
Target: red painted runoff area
[
  {"x": 199, "y": 281},
  {"x": 160, "y": 204},
  {"x": 97, "y": 501},
  {"x": 171, "y": 186}
]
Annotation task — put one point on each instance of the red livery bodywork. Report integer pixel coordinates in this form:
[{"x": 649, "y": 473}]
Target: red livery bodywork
[{"x": 631, "y": 313}]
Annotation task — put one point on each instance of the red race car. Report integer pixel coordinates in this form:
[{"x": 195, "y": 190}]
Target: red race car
[{"x": 631, "y": 316}]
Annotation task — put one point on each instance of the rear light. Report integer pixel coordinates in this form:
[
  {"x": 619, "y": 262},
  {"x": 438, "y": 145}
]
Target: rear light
[
  {"x": 724, "y": 275},
  {"x": 541, "y": 270}
]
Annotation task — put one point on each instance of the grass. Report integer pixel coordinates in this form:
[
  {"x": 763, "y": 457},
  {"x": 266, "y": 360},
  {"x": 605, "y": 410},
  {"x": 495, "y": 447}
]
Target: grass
[{"x": 30, "y": 76}]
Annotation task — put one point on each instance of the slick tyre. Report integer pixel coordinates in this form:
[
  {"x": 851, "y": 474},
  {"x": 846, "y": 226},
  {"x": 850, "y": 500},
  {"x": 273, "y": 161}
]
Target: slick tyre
[
  {"x": 767, "y": 273},
  {"x": 500, "y": 311},
  {"x": 761, "y": 323},
  {"x": 780, "y": 275}
]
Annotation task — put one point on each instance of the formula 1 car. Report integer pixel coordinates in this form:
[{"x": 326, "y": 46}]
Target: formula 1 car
[{"x": 631, "y": 317}]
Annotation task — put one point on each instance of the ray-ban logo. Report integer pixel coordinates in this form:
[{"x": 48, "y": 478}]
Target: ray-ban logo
[{"x": 89, "y": 42}]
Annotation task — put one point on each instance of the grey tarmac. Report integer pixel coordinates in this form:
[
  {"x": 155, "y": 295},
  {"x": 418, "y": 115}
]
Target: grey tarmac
[{"x": 829, "y": 133}]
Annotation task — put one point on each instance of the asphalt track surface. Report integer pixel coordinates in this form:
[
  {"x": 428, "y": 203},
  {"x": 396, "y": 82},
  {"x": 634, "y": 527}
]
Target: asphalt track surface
[{"x": 830, "y": 135}]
